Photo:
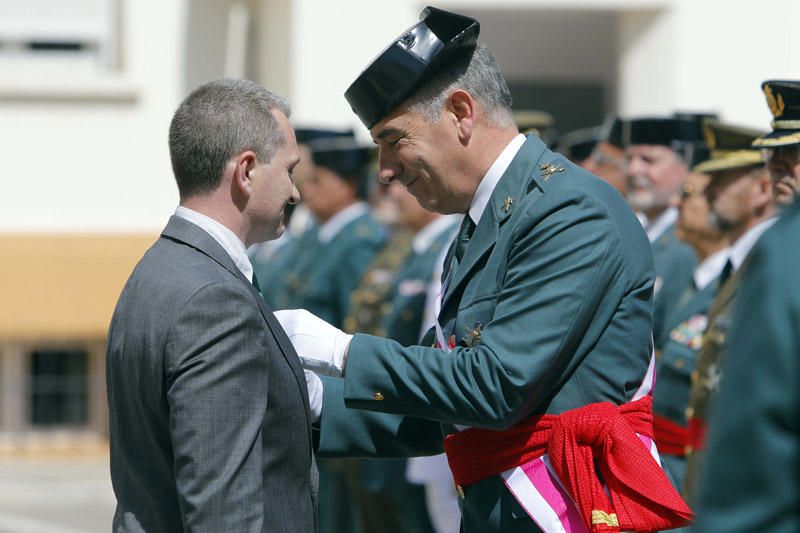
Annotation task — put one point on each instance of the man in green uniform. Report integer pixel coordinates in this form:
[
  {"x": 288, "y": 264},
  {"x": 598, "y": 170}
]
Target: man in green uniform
[
  {"x": 752, "y": 478},
  {"x": 657, "y": 151},
  {"x": 678, "y": 346},
  {"x": 743, "y": 207},
  {"x": 782, "y": 145},
  {"x": 545, "y": 312}
]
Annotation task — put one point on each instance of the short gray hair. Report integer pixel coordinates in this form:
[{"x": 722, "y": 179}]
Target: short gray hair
[
  {"x": 479, "y": 75},
  {"x": 215, "y": 122}
]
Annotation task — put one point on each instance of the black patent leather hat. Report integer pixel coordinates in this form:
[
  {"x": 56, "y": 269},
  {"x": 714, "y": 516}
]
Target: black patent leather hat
[{"x": 411, "y": 59}]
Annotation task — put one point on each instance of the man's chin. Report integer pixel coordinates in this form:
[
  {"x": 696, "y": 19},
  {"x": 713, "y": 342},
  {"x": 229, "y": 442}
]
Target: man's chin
[{"x": 641, "y": 201}]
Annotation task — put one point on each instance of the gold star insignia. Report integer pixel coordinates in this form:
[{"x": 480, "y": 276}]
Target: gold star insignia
[{"x": 507, "y": 204}]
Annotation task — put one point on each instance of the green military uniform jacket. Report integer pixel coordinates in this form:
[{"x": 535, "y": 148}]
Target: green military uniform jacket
[
  {"x": 324, "y": 274},
  {"x": 677, "y": 352},
  {"x": 558, "y": 281},
  {"x": 675, "y": 262},
  {"x": 752, "y": 478}
]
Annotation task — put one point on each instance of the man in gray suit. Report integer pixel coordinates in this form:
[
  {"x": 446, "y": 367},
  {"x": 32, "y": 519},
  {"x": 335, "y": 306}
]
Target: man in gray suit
[{"x": 209, "y": 416}]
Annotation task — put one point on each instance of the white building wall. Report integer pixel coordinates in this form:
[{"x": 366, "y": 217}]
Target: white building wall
[
  {"x": 708, "y": 54},
  {"x": 88, "y": 152}
]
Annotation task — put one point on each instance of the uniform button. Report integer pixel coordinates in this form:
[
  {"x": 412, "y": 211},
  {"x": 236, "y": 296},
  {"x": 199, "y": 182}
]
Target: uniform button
[
  {"x": 680, "y": 362},
  {"x": 460, "y": 491},
  {"x": 689, "y": 412},
  {"x": 378, "y": 396},
  {"x": 695, "y": 376}
]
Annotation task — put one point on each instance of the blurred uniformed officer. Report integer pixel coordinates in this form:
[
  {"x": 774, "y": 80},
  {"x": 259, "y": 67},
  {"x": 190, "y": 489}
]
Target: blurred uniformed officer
[
  {"x": 742, "y": 206},
  {"x": 273, "y": 261},
  {"x": 329, "y": 261},
  {"x": 681, "y": 340},
  {"x": 579, "y": 144},
  {"x": 543, "y": 330},
  {"x": 607, "y": 160},
  {"x": 656, "y": 156},
  {"x": 782, "y": 144},
  {"x": 394, "y": 504},
  {"x": 752, "y": 478}
]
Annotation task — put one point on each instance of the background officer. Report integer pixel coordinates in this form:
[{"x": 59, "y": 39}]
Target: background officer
[
  {"x": 782, "y": 144},
  {"x": 743, "y": 207},
  {"x": 752, "y": 478}
]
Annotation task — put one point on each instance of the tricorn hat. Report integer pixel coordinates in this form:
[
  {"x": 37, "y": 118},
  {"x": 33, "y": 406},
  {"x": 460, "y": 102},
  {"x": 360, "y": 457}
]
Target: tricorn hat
[
  {"x": 783, "y": 99},
  {"x": 411, "y": 59}
]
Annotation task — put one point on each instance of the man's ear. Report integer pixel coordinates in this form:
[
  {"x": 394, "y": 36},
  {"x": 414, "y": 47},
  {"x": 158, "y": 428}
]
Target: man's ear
[
  {"x": 763, "y": 188},
  {"x": 243, "y": 166},
  {"x": 462, "y": 108}
]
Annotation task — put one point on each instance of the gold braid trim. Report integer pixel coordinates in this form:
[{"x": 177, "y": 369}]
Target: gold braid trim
[
  {"x": 727, "y": 160},
  {"x": 777, "y": 141},
  {"x": 602, "y": 517}
]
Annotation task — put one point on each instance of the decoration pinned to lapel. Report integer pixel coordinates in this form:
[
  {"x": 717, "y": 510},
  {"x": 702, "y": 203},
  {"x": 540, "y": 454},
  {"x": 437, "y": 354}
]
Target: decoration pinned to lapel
[
  {"x": 473, "y": 336},
  {"x": 507, "y": 203},
  {"x": 548, "y": 169}
]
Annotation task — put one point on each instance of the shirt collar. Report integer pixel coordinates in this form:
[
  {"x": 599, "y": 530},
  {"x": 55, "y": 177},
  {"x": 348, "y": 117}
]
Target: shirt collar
[
  {"x": 657, "y": 228},
  {"x": 745, "y": 243},
  {"x": 337, "y": 222},
  {"x": 223, "y": 235},
  {"x": 710, "y": 268},
  {"x": 486, "y": 187},
  {"x": 424, "y": 238}
]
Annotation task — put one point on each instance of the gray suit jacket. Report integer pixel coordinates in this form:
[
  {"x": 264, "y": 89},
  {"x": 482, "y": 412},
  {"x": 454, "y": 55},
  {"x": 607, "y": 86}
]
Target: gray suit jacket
[{"x": 209, "y": 419}]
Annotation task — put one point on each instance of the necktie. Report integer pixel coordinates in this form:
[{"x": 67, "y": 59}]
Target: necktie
[
  {"x": 727, "y": 270},
  {"x": 463, "y": 236}
]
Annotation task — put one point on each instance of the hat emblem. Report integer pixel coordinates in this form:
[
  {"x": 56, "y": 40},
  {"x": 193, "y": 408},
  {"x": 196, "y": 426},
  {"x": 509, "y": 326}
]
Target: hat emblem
[
  {"x": 408, "y": 40},
  {"x": 776, "y": 105}
]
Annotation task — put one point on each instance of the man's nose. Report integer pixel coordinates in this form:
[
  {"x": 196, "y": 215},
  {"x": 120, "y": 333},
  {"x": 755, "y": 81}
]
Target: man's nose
[
  {"x": 295, "y": 196},
  {"x": 389, "y": 167}
]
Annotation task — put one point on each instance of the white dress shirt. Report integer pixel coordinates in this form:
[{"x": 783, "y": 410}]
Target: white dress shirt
[
  {"x": 710, "y": 268},
  {"x": 745, "y": 243},
  {"x": 487, "y": 185},
  {"x": 224, "y": 236},
  {"x": 657, "y": 228}
]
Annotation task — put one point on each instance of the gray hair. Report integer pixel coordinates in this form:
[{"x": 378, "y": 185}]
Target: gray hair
[
  {"x": 480, "y": 76},
  {"x": 217, "y": 121}
]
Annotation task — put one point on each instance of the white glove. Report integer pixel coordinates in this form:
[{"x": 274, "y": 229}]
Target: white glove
[
  {"x": 321, "y": 347},
  {"x": 314, "y": 386}
]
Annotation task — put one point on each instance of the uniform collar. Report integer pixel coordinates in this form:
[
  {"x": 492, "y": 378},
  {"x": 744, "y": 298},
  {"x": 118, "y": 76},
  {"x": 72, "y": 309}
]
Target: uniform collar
[
  {"x": 424, "y": 238},
  {"x": 656, "y": 228},
  {"x": 487, "y": 185},
  {"x": 337, "y": 222},
  {"x": 710, "y": 268},
  {"x": 223, "y": 235},
  {"x": 745, "y": 243}
]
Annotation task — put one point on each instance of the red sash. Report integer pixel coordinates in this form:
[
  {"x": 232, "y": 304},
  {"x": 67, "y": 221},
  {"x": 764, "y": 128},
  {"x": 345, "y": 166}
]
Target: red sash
[
  {"x": 600, "y": 434},
  {"x": 671, "y": 438},
  {"x": 697, "y": 434}
]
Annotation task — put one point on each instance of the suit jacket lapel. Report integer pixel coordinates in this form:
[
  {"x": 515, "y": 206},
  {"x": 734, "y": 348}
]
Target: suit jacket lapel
[
  {"x": 184, "y": 231},
  {"x": 511, "y": 186}
]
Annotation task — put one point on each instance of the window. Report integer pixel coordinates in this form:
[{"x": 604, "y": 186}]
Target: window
[{"x": 59, "y": 388}]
